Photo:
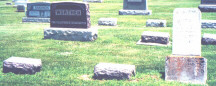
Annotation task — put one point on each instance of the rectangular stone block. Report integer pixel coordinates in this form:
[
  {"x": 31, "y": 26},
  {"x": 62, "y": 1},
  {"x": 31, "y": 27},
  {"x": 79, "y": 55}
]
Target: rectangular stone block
[
  {"x": 209, "y": 39},
  {"x": 97, "y": 1},
  {"x": 71, "y": 34},
  {"x": 16, "y": 3},
  {"x": 209, "y": 24},
  {"x": 70, "y": 15},
  {"x": 38, "y": 9},
  {"x": 35, "y": 19},
  {"x": 207, "y": 8},
  {"x": 155, "y": 37},
  {"x": 21, "y": 65},
  {"x": 113, "y": 71},
  {"x": 20, "y": 8},
  {"x": 187, "y": 69},
  {"x": 155, "y": 23},
  {"x": 135, "y": 5},
  {"x": 208, "y": 1},
  {"x": 135, "y": 12},
  {"x": 186, "y": 32},
  {"x": 107, "y": 21}
]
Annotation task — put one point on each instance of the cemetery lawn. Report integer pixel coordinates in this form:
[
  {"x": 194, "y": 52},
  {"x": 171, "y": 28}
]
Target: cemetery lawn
[{"x": 72, "y": 62}]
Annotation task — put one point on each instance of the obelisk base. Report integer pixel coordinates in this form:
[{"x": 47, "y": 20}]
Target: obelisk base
[{"x": 187, "y": 69}]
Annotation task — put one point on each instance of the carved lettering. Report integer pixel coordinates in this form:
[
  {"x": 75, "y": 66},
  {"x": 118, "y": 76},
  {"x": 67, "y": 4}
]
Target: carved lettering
[{"x": 66, "y": 12}]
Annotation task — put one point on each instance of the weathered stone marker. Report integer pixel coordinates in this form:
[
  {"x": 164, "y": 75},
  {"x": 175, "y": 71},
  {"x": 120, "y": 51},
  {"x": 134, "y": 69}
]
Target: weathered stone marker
[
  {"x": 20, "y": 8},
  {"x": 208, "y": 6},
  {"x": 154, "y": 38},
  {"x": 37, "y": 12},
  {"x": 113, "y": 71},
  {"x": 20, "y": 65},
  {"x": 209, "y": 39},
  {"x": 209, "y": 24},
  {"x": 70, "y": 21},
  {"x": 107, "y": 21},
  {"x": 135, "y": 7},
  {"x": 186, "y": 64},
  {"x": 155, "y": 23}
]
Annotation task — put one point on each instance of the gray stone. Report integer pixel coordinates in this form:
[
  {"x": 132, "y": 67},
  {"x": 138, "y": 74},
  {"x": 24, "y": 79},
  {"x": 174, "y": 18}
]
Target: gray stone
[
  {"x": 135, "y": 12},
  {"x": 208, "y": 2},
  {"x": 135, "y": 7},
  {"x": 71, "y": 34},
  {"x": 207, "y": 8},
  {"x": 209, "y": 24},
  {"x": 186, "y": 32},
  {"x": 33, "y": 19},
  {"x": 38, "y": 9},
  {"x": 8, "y": 3},
  {"x": 155, "y": 37},
  {"x": 97, "y": 1},
  {"x": 155, "y": 23},
  {"x": 107, "y": 21},
  {"x": 209, "y": 39},
  {"x": 185, "y": 69},
  {"x": 20, "y": 65},
  {"x": 113, "y": 71},
  {"x": 20, "y": 8}
]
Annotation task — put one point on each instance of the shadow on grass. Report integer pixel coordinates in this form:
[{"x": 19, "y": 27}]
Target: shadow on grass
[{"x": 163, "y": 75}]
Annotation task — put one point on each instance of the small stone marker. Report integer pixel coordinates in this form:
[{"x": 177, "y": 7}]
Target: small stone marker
[
  {"x": 186, "y": 64},
  {"x": 209, "y": 39},
  {"x": 20, "y": 2},
  {"x": 107, "y": 21},
  {"x": 97, "y": 1},
  {"x": 135, "y": 7},
  {"x": 113, "y": 71},
  {"x": 209, "y": 24},
  {"x": 37, "y": 12},
  {"x": 8, "y": 3},
  {"x": 154, "y": 38},
  {"x": 20, "y": 8},
  {"x": 155, "y": 23},
  {"x": 207, "y": 6},
  {"x": 70, "y": 21},
  {"x": 21, "y": 65}
]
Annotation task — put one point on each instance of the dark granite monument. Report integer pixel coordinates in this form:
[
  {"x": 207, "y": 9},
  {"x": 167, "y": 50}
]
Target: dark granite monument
[
  {"x": 70, "y": 21},
  {"x": 135, "y": 7},
  {"x": 20, "y": 8},
  {"x": 186, "y": 63},
  {"x": 37, "y": 12},
  {"x": 70, "y": 15},
  {"x": 208, "y": 6}
]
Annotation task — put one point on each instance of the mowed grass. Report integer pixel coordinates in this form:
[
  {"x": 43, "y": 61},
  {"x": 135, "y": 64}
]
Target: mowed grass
[{"x": 67, "y": 62}]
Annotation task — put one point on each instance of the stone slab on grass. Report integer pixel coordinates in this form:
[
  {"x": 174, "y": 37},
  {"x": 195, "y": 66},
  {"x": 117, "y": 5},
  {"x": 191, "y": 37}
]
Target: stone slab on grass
[
  {"x": 154, "y": 38},
  {"x": 207, "y": 8},
  {"x": 110, "y": 71},
  {"x": 209, "y": 39},
  {"x": 35, "y": 19},
  {"x": 208, "y": 24},
  {"x": 107, "y": 21},
  {"x": 21, "y": 65},
  {"x": 71, "y": 34},
  {"x": 155, "y": 23},
  {"x": 135, "y": 12}
]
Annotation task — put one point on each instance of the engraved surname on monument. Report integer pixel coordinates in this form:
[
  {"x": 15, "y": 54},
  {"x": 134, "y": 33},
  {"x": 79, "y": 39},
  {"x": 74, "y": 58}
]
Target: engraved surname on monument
[
  {"x": 67, "y": 12},
  {"x": 134, "y": 0},
  {"x": 41, "y": 7},
  {"x": 187, "y": 32}
]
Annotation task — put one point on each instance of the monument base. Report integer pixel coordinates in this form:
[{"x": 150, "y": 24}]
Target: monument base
[
  {"x": 187, "y": 69},
  {"x": 135, "y": 12},
  {"x": 207, "y": 8},
  {"x": 33, "y": 19},
  {"x": 71, "y": 34}
]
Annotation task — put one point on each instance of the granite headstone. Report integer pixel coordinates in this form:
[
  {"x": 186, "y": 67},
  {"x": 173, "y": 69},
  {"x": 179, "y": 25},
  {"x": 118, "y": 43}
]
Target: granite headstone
[
  {"x": 38, "y": 9},
  {"x": 207, "y": 6},
  {"x": 208, "y": 1},
  {"x": 70, "y": 15}
]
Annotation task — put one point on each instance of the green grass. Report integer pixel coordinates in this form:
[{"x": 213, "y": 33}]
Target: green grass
[{"x": 64, "y": 62}]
